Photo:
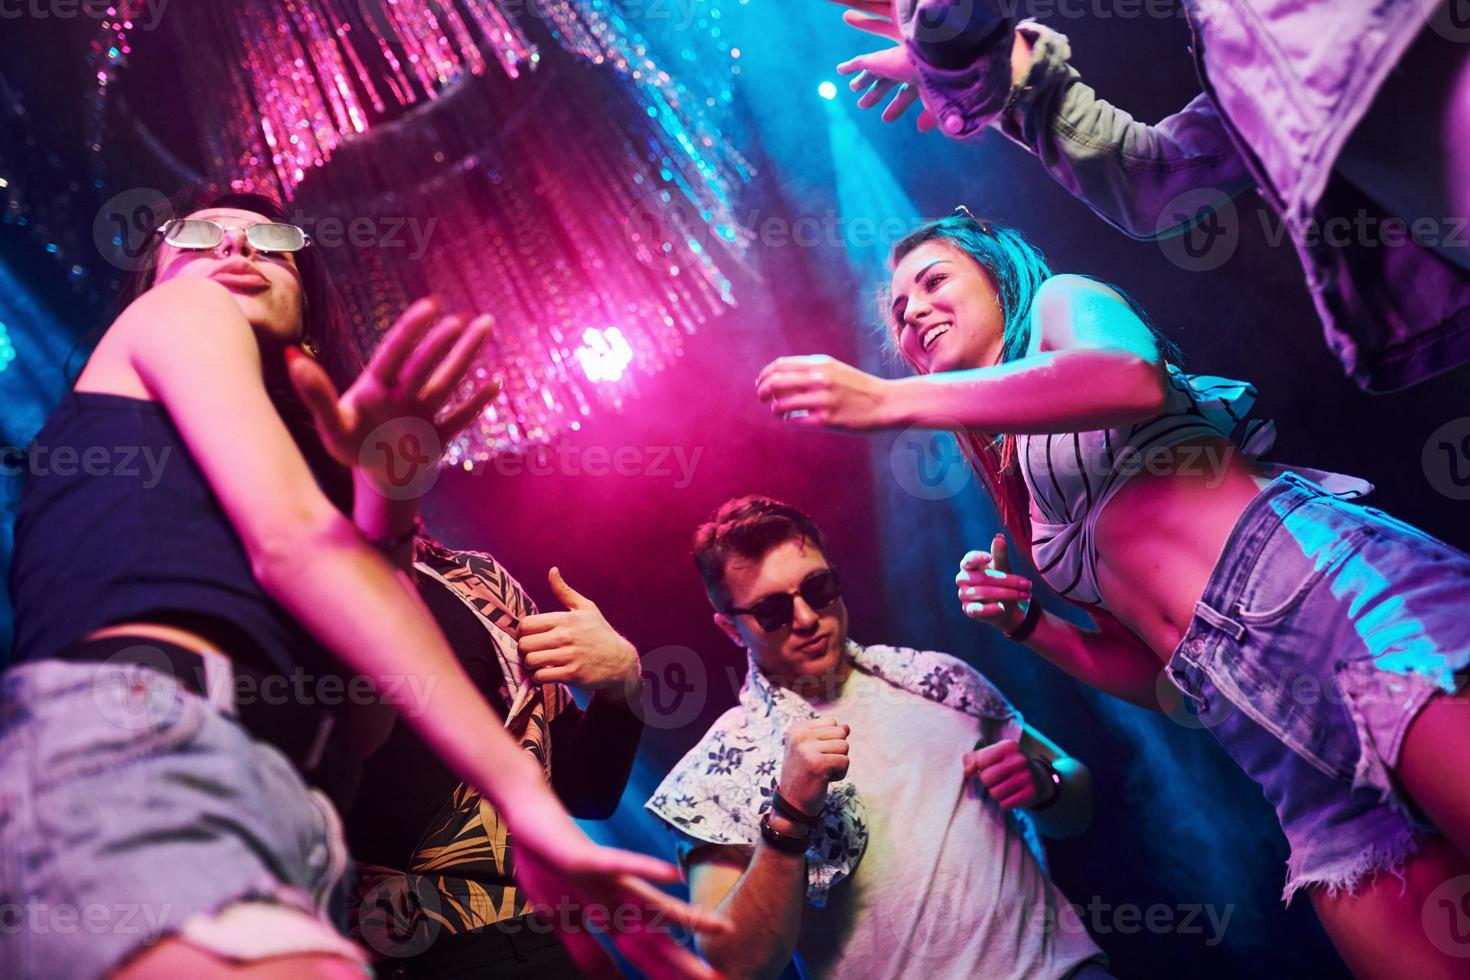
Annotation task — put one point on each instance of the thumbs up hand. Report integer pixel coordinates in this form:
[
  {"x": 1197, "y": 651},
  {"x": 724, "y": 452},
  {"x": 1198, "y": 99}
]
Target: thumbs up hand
[
  {"x": 988, "y": 591},
  {"x": 578, "y": 646}
]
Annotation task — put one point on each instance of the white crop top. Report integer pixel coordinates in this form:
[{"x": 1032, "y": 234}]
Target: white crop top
[{"x": 1072, "y": 476}]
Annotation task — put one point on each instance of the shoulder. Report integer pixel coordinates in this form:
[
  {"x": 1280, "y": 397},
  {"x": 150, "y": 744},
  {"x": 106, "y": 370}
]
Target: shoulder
[
  {"x": 464, "y": 569},
  {"x": 1074, "y": 312}
]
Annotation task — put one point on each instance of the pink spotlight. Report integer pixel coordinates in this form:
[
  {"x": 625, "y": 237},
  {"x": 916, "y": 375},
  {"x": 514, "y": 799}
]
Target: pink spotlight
[{"x": 606, "y": 354}]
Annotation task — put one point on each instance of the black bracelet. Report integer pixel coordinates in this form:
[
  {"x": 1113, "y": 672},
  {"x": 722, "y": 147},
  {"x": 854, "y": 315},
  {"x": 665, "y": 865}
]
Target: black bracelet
[
  {"x": 785, "y": 843},
  {"x": 1023, "y": 632},
  {"x": 788, "y": 810},
  {"x": 1050, "y": 774}
]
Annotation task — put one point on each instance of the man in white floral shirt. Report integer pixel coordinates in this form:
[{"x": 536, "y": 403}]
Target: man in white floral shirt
[{"x": 868, "y": 810}]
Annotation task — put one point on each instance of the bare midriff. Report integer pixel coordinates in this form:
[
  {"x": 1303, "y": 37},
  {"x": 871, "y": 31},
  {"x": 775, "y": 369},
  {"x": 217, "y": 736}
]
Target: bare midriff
[{"x": 1161, "y": 535}]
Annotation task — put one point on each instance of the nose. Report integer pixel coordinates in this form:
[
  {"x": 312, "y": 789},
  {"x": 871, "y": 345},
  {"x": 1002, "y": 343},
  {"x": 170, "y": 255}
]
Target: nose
[
  {"x": 916, "y": 312},
  {"x": 804, "y": 618},
  {"x": 235, "y": 243}
]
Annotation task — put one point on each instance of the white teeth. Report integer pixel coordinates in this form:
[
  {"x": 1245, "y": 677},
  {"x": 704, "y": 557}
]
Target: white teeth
[{"x": 933, "y": 334}]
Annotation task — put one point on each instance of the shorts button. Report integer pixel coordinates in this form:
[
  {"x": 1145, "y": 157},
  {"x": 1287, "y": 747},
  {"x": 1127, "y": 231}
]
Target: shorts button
[{"x": 953, "y": 122}]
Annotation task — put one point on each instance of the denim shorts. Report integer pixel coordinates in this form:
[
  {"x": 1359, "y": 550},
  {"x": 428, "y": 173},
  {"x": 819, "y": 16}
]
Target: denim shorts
[
  {"x": 132, "y": 809},
  {"x": 1325, "y": 628}
]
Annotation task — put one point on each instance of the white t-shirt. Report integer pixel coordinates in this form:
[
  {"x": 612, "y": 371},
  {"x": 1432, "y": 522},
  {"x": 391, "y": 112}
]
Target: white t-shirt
[{"x": 947, "y": 886}]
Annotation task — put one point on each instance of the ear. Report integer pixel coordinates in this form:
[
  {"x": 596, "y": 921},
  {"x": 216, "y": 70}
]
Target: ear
[{"x": 728, "y": 627}]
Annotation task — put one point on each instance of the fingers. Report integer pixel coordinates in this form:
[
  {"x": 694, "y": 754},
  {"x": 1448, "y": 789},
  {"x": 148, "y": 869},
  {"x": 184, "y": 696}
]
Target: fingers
[
  {"x": 833, "y": 730},
  {"x": 456, "y": 365},
  {"x": 975, "y": 560},
  {"x": 786, "y": 384},
  {"x": 878, "y": 26},
  {"x": 565, "y": 594},
  {"x": 1000, "y": 552},
  {"x": 554, "y": 675},
  {"x": 590, "y": 958},
  {"x": 453, "y": 423},
  {"x": 401, "y": 341},
  {"x": 318, "y": 394},
  {"x": 992, "y": 593},
  {"x": 544, "y": 659},
  {"x": 906, "y": 97},
  {"x": 542, "y": 642},
  {"x": 928, "y": 122},
  {"x": 691, "y": 917},
  {"x": 985, "y": 612},
  {"x": 875, "y": 8},
  {"x": 875, "y": 94},
  {"x": 428, "y": 355},
  {"x": 542, "y": 623},
  {"x": 1014, "y": 791}
]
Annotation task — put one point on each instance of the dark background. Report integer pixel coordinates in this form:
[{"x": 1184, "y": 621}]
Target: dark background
[{"x": 1177, "y": 827}]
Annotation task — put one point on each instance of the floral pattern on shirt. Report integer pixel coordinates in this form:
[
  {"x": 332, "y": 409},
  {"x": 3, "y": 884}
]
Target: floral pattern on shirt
[{"x": 717, "y": 793}]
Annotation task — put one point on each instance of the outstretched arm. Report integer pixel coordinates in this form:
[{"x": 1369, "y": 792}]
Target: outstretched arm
[
  {"x": 197, "y": 355},
  {"x": 1097, "y": 366}
]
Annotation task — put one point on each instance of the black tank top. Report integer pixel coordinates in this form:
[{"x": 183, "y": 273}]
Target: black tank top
[{"x": 117, "y": 523}]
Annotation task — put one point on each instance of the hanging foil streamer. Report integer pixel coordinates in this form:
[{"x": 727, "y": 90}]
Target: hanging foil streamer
[{"x": 587, "y": 205}]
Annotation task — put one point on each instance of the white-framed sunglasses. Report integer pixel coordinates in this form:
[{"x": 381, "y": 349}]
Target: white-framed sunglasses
[{"x": 202, "y": 233}]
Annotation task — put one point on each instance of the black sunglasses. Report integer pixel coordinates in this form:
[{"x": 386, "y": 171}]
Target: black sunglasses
[{"x": 776, "y": 612}]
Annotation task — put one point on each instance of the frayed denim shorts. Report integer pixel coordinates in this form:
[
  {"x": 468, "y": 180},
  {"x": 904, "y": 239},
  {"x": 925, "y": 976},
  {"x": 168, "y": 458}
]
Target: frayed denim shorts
[
  {"x": 1326, "y": 627},
  {"x": 131, "y": 809}
]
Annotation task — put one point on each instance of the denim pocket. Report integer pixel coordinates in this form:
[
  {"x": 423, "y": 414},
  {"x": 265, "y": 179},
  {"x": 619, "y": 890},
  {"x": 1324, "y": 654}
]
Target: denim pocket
[
  {"x": 1312, "y": 543},
  {"x": 112, "y": 716}
]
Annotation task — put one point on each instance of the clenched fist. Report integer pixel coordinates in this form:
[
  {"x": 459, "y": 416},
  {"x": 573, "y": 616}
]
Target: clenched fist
[
  {"x": 1007, "y": 774},
  {"x": 816, "y": 754}
]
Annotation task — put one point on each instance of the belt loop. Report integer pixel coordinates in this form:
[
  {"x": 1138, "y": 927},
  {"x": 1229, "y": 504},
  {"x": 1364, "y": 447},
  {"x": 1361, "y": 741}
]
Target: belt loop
[
  {"x": 219, "y": 682},
  {"x": 1219, "y": 620}
]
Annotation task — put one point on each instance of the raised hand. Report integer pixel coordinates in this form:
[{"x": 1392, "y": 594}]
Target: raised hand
[
  {"x": 816, "y": 755},
  {"x": 586, "y": 890},
  {"x": 888, "y": 70},
  {"x": 578, "y": 646},
  {"x": 988, "y": 591},
  {"x": 1006, "y": 773},
  {"x": 821, "y": 391},
  {"x": 396, "y": 416}
]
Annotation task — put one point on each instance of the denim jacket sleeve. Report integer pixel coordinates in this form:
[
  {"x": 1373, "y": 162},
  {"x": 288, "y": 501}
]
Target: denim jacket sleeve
[{"x": 1131, "y": 173}]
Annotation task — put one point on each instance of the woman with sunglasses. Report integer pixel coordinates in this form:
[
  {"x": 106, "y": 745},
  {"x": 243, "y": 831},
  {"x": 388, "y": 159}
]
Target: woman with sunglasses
[
  {"x": 1246, "y": 584},
  {"x": 185, "y": 643}
]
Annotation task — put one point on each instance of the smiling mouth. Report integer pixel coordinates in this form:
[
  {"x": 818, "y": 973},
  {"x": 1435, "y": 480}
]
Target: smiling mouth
[
  {"x": 819, "y": 640},
  {"x": 932, "y": 335}
]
